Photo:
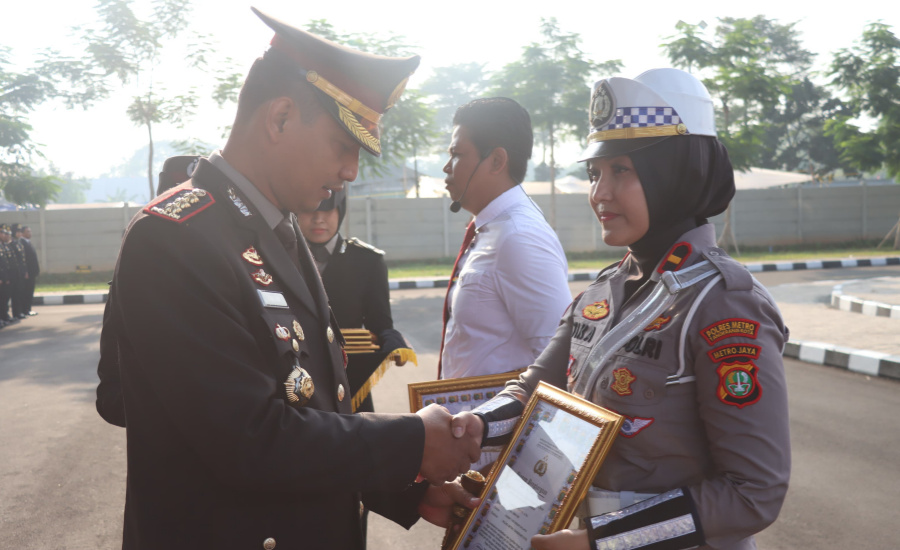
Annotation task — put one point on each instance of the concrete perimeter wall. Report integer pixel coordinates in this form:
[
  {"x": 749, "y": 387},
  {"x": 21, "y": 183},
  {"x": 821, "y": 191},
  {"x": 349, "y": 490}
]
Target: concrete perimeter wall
[{"x": 419, "y": 229}]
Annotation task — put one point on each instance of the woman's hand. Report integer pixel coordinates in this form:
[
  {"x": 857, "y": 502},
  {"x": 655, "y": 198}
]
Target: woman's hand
[{"x": 562, "y": 540}]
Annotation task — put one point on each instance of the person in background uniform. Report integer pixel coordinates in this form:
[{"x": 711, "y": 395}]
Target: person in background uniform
[
  {"x": 704, "y": 449},
  {"x": 19, "y": 273},
  {"x": 510, "y": 282},
  {"x": 232, "y": 373},
  {"x": 33, "y": 268},
  {"x": 356, "y": 282},
  {"x": 6, "y": 271}
]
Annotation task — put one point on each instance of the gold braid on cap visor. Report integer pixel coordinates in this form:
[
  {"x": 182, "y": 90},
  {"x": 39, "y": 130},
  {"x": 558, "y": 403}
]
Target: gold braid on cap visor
[
  {"x": 342, "y": 97},
  {"x": 357, "y": 129},
  {"x": 642, "y": 132}
]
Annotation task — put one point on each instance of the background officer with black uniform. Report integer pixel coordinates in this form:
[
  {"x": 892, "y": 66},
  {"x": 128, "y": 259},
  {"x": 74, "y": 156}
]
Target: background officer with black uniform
[
  {"x": 356, "y": 282},
  {"x": 232, "y": 374},
  {"x": 6, "y": 271},
  {"x": 18, "y": 273},
  {"x": 32, "y": 266}
]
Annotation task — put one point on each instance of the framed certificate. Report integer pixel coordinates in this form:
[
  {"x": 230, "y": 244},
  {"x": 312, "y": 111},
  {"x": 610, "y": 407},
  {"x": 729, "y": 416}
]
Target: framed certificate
[
  {"x": 543, "y": 473},
  {"x": 462, "y": 394},
  {"x": 458, "y": 394}
]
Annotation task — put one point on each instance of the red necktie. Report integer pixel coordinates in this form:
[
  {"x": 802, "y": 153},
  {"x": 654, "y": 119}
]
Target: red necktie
[{"x": 467, "y": 240}]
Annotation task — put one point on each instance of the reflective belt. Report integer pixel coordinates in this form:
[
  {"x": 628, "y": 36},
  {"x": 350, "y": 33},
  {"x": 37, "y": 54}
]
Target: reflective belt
[{"x": 662, "y": 297}]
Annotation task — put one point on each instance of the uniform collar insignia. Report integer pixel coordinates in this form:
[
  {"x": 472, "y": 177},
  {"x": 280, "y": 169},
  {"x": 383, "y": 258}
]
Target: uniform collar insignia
[{"x": 238, "y": 202}]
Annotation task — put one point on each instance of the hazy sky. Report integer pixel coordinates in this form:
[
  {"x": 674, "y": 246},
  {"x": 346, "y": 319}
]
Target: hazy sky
[{"x": 493, "y": 32}]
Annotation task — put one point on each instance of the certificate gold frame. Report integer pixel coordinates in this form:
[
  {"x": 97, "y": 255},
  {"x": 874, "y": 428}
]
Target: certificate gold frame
[
  {"x": 464, "y": 390},
  {"x": 547, "y": 405}
]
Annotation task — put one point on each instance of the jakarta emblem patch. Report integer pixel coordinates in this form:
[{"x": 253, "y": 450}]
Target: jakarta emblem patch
[{"x": 738, "y": 384}]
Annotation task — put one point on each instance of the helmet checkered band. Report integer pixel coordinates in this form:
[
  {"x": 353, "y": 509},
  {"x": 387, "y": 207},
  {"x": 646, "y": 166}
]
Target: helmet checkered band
[{"x": 642, "y": 117}]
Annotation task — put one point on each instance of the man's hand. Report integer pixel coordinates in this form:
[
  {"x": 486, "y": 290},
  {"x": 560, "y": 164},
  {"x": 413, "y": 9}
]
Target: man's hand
[
  {"x": 438, "y": 501},
  {"x": 468, "y": 424},
  {"x": 562, "y": 540},
  {"x": 447, "y": 452}
]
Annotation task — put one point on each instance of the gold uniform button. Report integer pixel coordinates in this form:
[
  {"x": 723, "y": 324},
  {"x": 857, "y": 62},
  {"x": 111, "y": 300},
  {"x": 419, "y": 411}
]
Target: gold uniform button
[
  {"x": 340, "y": 392},
  {"x": 269, "y": 544},
  {"x": 296, "y": 345},
  {"x": 330, "y": 334}
]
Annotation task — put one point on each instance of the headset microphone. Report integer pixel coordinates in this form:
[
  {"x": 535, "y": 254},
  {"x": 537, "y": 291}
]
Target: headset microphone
[{"x": 456, "y": 205}]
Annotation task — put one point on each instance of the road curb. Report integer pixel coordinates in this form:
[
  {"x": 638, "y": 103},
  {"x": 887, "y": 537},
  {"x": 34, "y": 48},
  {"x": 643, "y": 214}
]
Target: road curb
[
  {"x": 872, "y": 363},
  {"x": 846, "y": 302}
]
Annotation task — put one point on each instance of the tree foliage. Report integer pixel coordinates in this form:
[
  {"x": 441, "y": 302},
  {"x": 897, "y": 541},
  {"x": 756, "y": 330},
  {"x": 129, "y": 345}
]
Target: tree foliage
[
  {"x": 769, "y": 112},
  {"x": 128, "y": 49},
  {"x": 869, "y": 75},
  {"x": 450, "y": 87}
]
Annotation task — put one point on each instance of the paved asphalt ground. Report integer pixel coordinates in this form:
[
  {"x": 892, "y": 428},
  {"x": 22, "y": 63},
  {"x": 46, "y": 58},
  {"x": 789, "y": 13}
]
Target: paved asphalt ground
[{"x": 62, "y": 469}]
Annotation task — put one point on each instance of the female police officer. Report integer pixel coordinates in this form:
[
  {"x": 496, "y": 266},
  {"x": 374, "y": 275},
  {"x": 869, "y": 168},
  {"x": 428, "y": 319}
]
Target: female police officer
[{"x": 677, "y": 337}]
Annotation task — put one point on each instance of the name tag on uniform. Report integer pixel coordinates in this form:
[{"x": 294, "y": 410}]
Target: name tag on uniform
[{"x": 272, "y": 299}]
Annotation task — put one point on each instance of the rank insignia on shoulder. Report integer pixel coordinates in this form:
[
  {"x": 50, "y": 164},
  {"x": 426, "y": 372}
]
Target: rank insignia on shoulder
[
  {"x": 727, "y": 328},
  {"x": 738, "y": 385},
  {"x": 299, "y": 386},
  {"x": 181, "y": 204},
  {"x": 356, "y": 242},
  {"x": 596, "y": 311},
  {"x": 252, "y": 256},
  {"x": 261, "y": 277},
  {"x": 676, "y": 257},
  {"x": 238, "y": 202}
]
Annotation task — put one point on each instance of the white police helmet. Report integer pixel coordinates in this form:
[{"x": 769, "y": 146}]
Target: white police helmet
[{"x": 627, "y": 115}]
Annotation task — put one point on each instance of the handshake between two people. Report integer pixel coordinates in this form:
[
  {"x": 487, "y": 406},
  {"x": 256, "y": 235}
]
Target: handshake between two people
[{"x": 452, "y": 444}]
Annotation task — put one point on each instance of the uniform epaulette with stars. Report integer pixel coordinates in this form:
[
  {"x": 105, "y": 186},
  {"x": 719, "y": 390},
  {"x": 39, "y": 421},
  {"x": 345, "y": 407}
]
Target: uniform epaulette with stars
[
  {"x": 356, "y": 242},
  {"x": 180, "y": 203}
]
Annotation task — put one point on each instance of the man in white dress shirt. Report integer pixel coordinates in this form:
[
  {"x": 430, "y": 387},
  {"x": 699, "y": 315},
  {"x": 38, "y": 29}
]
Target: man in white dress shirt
[{"x": 510, "y": 285}]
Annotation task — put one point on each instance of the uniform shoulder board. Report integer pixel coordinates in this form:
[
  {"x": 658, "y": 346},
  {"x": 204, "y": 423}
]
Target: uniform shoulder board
[
  {"x": 356, "y": 242},
  {"x": 735, "y": 275},
  {"x": 180, "y": 203}
]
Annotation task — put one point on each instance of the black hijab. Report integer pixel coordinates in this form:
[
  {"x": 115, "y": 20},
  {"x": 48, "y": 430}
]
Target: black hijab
[{"x": 686, "y": 179}]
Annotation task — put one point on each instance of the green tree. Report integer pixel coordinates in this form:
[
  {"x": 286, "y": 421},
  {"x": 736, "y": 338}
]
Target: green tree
[
  {"x": 20, "y": 93},
  {"x": 869, "y": 75},
  {"x": 128, "y": 49},
  {"x": 449, "y": 87},
  {"x": 751, "y": 68},
  {"x": 551, "y": 80}
]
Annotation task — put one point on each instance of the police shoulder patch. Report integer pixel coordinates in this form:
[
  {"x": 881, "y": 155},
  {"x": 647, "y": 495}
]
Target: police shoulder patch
[
  {"x": 180, "y": 203},
  {"x": 738, "y": 384},
  {"x": 727, "y": 328},
  {"x": 366, "y": 246}
]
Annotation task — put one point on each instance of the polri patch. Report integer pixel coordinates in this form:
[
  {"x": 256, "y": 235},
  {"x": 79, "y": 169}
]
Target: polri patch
[
  {"x": 727, "y": 328},
  {"x": 733, "y": 351},
  {"x": 738, "y": 384},
  {"x": 596, "y": 311},
  {"x": 676, "y": 257}
]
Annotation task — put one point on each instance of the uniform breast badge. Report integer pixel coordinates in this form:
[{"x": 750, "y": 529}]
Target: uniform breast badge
[
  {"x": 299, "y": 386},
  {"x": 298, "y": 330},
  {"x": 657, "y": 324},
  {"x": 596, "y": 311},
  {"x": 282, "y": 333},
  {"x": 261, "y": 277},
  {"x": 252, "y": 256},
  {"x": 624, "y": 378}
]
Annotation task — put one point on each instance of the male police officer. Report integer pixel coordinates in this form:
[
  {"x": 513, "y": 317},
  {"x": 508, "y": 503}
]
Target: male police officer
[{"x": 232, "y": 372}]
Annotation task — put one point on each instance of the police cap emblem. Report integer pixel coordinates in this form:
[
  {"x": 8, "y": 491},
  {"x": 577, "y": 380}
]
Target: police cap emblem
[{"x": 603, "y": 104}]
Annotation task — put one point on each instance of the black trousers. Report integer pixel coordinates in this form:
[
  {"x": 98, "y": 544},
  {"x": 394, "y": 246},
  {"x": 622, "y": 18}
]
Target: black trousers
[
  {"x": 15, "y": 295},
  {"x": 28, "y": 293},
  {"x": 5, "y": 295}
]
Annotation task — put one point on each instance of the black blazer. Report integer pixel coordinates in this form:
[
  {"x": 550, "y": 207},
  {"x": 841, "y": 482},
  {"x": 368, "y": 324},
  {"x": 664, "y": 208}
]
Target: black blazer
[
  {"x": 31, "y": 259},
  {"x": 218, "y": 457}
]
